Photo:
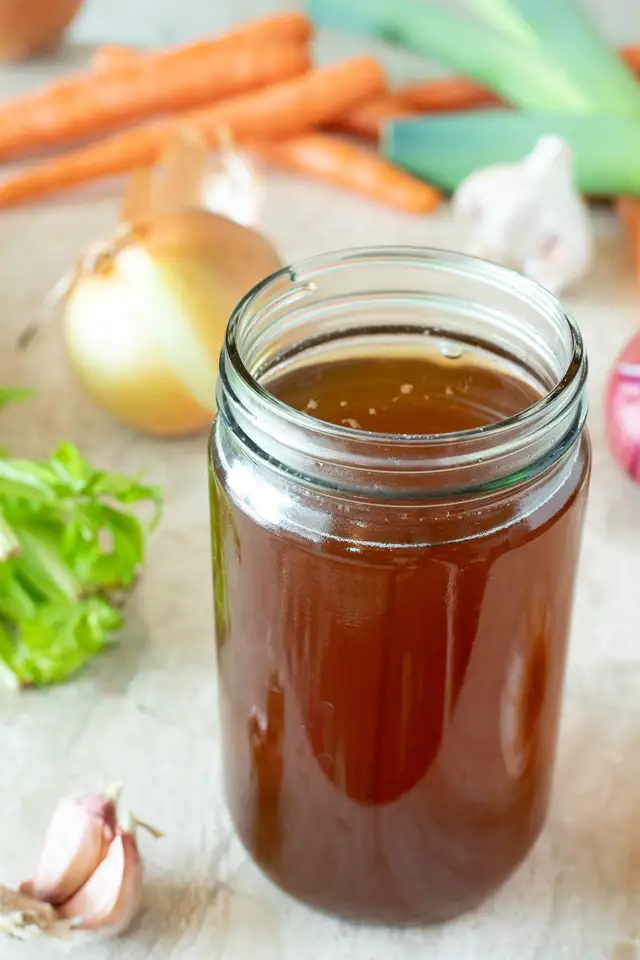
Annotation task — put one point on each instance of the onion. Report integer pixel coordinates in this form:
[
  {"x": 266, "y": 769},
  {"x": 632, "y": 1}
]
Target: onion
[
  {"x": 30, "y": 27},
  {"x": 623, "y": 408},
  {"x": 145, "y": 318}
]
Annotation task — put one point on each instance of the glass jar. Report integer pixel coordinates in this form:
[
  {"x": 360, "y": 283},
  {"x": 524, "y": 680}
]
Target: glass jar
[{"x": 392, "y": 611}]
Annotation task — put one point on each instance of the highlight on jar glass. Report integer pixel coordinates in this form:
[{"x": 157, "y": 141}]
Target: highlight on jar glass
[{"x": 399, "y": 471}]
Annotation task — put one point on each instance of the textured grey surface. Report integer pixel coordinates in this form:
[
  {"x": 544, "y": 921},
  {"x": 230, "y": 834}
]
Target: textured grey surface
[{"x": 146, "y": 714}]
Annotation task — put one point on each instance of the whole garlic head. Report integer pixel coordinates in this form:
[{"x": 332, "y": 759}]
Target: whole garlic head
[{"x": 529, "y": 216}]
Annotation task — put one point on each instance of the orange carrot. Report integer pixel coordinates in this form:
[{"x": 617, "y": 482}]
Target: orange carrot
[
  {"x": 366, "y": 119},
  {"x": 259, "y": 53},
  {"x": 287, "y": 27},
  {"x": 628, "y": 212},
  {"x": 631, "y": 56},
  {"x": 448, "y": 94},
  {"x": 355, "y": 168},
  {"x": 423, "y": 96},
  {"x": 283, "y": 110}
]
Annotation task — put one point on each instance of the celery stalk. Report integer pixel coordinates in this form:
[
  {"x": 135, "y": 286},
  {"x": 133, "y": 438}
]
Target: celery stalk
[
  {"x": 519, "y": 75},
  {"x": 566, "y": 36},
  {"x": 70, "y": 544},
  {"x": 446, "y": 148}
]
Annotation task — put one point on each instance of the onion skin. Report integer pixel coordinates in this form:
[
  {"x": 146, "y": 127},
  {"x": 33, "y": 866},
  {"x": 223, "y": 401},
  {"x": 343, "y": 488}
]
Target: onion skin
[
  {"x": 622, "y": 409},
  {"x": 32, "y": 27},
  {"x": 132, "y": 381},
  {"x": 197, "y": 263}
]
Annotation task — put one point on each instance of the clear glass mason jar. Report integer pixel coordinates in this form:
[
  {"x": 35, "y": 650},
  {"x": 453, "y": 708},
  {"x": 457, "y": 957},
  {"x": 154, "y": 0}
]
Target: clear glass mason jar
[{"x": 392, "y": 611}]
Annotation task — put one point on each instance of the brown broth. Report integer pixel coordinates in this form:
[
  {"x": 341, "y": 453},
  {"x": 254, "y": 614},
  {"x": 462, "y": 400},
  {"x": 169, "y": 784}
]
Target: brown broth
[
  {"x": 405, "y": 395},
  {"x": 390, "y": 701}
]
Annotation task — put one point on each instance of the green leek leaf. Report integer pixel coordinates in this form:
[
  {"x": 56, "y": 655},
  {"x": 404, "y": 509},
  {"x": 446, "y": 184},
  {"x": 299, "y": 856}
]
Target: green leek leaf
[
  {"x": 520, "y": 75},
  {"x": 501, "y": 15},
  {"x": 565, "y": 35},
  {"x": 446, "y": 148}
]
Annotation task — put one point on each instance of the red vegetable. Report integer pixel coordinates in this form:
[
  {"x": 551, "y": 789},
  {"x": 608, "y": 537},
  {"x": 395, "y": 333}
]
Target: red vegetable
[{"x": 623, "y": 408}]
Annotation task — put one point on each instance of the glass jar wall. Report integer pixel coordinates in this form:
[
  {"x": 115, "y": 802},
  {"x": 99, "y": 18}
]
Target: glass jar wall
[{"x": 393, "y": 589}]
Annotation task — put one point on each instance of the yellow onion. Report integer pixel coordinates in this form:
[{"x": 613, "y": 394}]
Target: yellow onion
[
  {"x": 30, "y": 27},
  {"x": 144, "y": 318}
]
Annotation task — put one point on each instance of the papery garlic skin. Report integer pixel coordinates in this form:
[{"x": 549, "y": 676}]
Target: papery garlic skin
[
  {"x": 111, "y": 897},
  {"x": 76, "y": 842},
  {"x": 529, "y": 216},
  {"x": 22, "y": 917},
  {"x": 232, "y": 187}
]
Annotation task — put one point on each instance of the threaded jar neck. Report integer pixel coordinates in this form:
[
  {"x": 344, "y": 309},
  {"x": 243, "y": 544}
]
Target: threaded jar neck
[{"x": 377, "y": 297}]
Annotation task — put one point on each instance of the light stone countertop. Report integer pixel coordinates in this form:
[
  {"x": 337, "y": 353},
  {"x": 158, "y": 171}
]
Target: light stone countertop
[{"x": 146, "y": 713}]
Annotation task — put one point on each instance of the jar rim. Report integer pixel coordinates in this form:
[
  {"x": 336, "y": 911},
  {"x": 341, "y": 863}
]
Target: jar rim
[{"x": 528, "y": 291}]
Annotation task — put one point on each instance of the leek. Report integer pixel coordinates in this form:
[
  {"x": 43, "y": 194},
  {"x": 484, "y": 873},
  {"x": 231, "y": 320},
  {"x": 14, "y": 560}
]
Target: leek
[
  {"x": 520, "y": 75},
  {"x": 501, "y": 15},
  {"x": 566, "y": 36},
  {"x": 446, "y": 148}
]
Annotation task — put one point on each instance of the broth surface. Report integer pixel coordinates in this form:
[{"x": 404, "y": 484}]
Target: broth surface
[{"x": 405, "y": 395}]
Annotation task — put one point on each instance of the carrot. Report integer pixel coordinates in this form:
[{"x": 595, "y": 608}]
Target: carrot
[
  {"x": 412, "y": 99},
  {"x": 289, "y": 27},
  {"x": 448, "y": 94},
  {"x": 628, "y": 212},
  {"x": 140, "y": 85},
  {"x": 631, "y": 56},
  {"x": 282, "y": 110},
  {"x": 366, "y": 119},
  {"x": 355, "y": 168}
]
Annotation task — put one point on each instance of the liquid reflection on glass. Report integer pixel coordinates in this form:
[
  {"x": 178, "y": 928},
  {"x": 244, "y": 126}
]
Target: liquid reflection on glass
[{"x": 403, "y": 755}]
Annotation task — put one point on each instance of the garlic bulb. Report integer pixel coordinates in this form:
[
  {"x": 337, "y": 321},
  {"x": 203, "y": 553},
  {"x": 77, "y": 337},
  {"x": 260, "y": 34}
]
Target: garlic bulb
[
  {"x": 89, "y": 877},
  {"x": 231, "y": 186},
  {"x": 189, "y": 175},
  {"x": 529, "y": 216}
]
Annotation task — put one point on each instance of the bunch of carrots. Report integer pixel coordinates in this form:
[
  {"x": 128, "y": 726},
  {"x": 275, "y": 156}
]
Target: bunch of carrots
[{"x": 257, "y": 83}]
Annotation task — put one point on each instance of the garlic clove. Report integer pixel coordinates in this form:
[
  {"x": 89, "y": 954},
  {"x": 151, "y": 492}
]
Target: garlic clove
[
  {"x": 75, "y": 844},
  {"x": 111, "y": 897}
]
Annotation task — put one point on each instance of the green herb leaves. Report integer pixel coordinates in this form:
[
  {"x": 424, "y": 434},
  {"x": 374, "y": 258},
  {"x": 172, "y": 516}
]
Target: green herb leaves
[{"x": 69, "y": 544}]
